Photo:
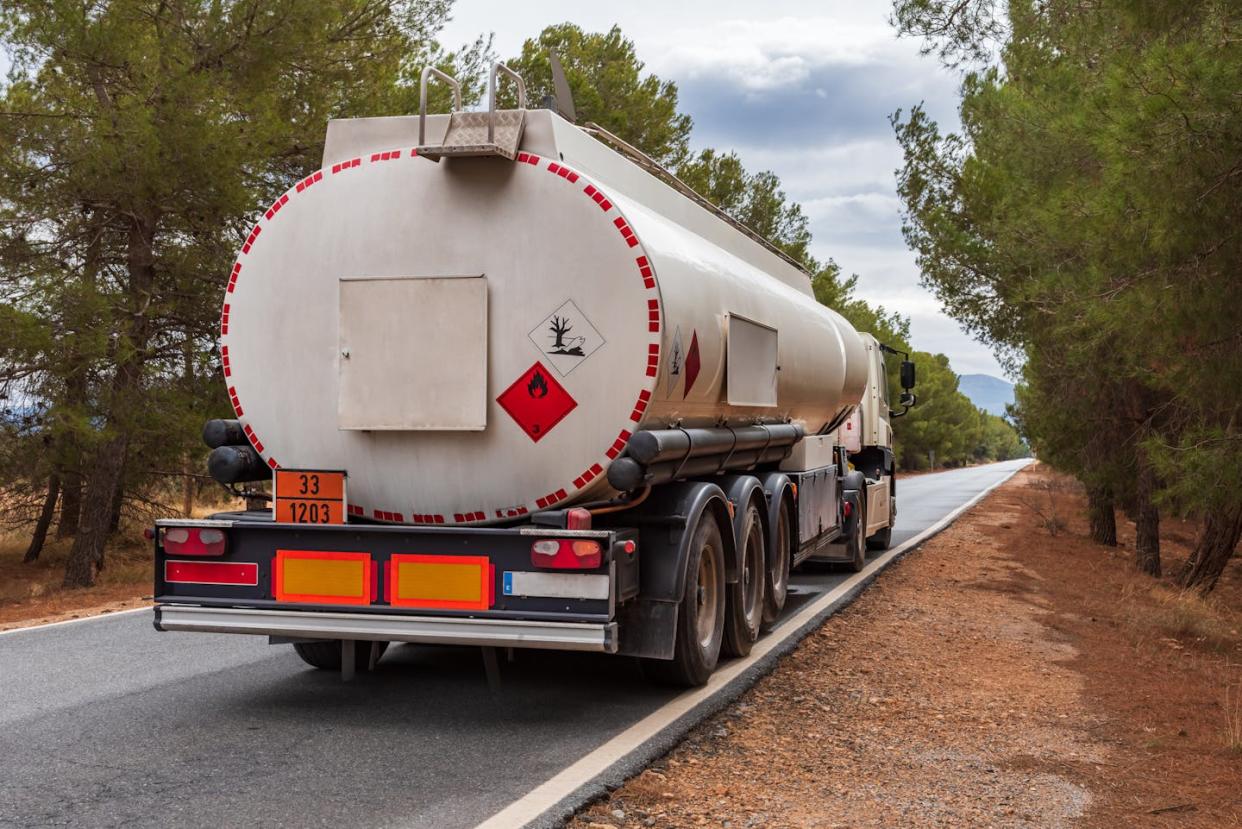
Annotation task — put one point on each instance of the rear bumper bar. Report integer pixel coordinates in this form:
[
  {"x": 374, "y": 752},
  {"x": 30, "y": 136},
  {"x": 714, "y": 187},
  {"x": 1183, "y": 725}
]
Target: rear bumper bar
[{"x": 437, "y": 630}]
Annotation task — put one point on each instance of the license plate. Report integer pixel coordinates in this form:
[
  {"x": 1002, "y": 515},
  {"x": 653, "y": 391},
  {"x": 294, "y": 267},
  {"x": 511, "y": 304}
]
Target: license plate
[{"x": 309, "y": 496}]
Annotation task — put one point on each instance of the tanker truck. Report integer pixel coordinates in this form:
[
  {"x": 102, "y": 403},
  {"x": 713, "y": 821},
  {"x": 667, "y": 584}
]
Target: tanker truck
[{"x": 514, "y": 385}]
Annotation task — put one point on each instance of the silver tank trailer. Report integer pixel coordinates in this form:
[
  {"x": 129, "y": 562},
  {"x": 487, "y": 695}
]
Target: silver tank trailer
[{"x": 475, "y": 339}]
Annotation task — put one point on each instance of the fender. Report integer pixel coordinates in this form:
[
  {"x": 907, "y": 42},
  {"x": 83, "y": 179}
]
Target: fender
[
  {"x": 740, "y": 490},
  {"x": 666, "y": 522}
]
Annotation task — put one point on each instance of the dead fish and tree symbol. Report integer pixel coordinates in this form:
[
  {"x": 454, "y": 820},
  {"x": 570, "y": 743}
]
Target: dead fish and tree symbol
[
  {"x": 566, "y": 338},
  {"x": 560, "y": 327}
]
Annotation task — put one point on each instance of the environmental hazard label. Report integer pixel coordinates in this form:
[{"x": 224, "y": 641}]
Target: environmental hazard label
[
  {"x": 566, "y": 337},
  {"x": 536, "y": 401}
]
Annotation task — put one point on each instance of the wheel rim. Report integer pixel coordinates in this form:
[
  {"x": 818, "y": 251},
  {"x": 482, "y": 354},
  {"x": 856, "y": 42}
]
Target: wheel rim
[
  {"x": 752, "y": 567},
  {"x": 708, "y": 597}
]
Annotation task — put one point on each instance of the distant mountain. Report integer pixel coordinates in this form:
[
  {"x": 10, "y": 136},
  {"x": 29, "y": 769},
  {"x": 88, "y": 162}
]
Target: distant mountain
[{"x": 987, "y": 392}]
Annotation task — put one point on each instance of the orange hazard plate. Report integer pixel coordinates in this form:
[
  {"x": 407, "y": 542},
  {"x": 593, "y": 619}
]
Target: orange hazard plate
[
  {"x": 440, "y": 582},
  {"x": 323, "y": 577},
  {"x": 309, "y": 496}
]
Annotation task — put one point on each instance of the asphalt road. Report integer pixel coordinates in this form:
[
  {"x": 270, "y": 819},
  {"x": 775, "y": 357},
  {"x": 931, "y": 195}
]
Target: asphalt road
[{"x": 108, "y": 723}]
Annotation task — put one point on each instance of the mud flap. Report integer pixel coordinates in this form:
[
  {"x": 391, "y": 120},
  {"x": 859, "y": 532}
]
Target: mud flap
[{"x": 647, "y": 628}]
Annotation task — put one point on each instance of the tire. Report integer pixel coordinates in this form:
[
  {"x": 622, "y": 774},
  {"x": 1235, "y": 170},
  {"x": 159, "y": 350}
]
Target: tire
[
  {"x": 858, "y": 543},
  {"x": 744, "y": 609},
  {"x": 776, "y": 586},
  {"x": 326, "y": 655},
  {"x": 700, "y": 615}
]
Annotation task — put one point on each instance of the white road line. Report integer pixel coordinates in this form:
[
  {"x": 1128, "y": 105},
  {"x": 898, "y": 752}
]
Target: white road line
[
  {"x": 94, "y": 618},
  {"x": 529, "y": 807}
]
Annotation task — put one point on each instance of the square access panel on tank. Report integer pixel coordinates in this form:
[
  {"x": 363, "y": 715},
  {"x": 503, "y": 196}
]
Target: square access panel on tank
[
  {"x": 413, "y": 353},
  {"x": 750, "y": 363}
]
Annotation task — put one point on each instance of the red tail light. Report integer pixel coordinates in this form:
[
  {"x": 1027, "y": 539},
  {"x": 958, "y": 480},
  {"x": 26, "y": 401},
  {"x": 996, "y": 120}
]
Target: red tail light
[
  {"x": 194, "y": 541},
  {"x": 566, "y": 554}
]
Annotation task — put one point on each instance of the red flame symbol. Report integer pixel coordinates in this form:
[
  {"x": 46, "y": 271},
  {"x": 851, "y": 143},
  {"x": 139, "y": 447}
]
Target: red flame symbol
[{"x": 538, "y": 387}]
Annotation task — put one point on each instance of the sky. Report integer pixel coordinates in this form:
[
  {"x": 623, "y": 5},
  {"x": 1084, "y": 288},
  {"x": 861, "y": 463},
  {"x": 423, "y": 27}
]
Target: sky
[{"x": 802, "y": 89}]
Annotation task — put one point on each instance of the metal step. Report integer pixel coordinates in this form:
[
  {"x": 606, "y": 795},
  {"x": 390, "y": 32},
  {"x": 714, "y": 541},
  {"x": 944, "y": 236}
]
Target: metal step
[{"x": 492, "y": 133}]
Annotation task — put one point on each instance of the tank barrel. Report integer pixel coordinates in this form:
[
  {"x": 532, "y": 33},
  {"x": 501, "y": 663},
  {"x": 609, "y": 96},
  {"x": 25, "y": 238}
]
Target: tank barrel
[{"x": 236, "y": 465}]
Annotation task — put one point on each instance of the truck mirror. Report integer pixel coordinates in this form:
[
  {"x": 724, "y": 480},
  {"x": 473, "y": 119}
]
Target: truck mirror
[
  {"x": 907, "y": 374},
  {"x": 907, "y": 398}
]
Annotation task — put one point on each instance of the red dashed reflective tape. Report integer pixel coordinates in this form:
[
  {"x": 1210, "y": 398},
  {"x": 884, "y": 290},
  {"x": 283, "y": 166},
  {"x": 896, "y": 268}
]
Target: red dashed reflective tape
[
  {"x": 346, "y": 165},
  {"x": 254, "y": 234},
  {"x": 309, "y": 180},
  {"x": 233, "y": 277},
  {"x": 385, "y": 156},
  {"x": 276, "y": 205},
  {"x": 254, "y": 439},
  {"x": 618, "y": 445}
]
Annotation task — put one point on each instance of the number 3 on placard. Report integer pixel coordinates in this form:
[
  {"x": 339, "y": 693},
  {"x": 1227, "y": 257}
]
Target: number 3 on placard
[{"x": 310, "y": 484}]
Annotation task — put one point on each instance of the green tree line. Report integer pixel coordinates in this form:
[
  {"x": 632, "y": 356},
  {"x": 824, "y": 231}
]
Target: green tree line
[
  {"x": 1086, "y": 222},
  {"x": 141, "y": 138}
]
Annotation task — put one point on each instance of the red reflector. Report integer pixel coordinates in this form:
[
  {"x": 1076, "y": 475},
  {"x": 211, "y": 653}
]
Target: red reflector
[
  {"x": 629, "y": 547},
  {"x": 578, "y": 519},
  {"x": 566, "y": 554},
  {"x": 849, "y": 509},
  {"x": 244, "y": 574},
  {"x": 194, "y": 541}
]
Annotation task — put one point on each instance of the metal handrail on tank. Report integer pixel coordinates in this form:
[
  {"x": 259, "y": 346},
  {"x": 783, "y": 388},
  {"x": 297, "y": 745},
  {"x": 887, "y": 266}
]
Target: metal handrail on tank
[
  {"x": 428, "y": 72},
  {"x": 668, "y": 177},
  {"x": 491, "y": 93}
]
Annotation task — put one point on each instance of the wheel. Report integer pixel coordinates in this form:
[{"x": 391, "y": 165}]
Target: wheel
[
  {"x": 701, "y": 613},
  {"x": 744, "y": 608},
  {"x": 326, "y": 655},
  {"x": 776, "y": 586},
  {"x": 881, "y": 540},
  {"x": 858, "y": 543}
]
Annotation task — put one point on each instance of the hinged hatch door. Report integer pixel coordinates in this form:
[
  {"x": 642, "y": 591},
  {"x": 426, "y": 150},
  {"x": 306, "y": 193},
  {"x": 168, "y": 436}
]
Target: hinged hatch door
[{"x": 413, "y": 353}]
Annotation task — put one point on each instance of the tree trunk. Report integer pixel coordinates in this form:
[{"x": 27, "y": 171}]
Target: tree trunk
[
  {"x": 102, "y": 483},
  {"x": 1147, "y": 520},
  {"x": 118, "y": 501},
  {"x": 102, "y": 494},
  {"x": 45, "y": 519},
  {"x": 1102, "y": 515},
  {"x": 70, "y": 505},
  {"x": 1216, "y": 545}
]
